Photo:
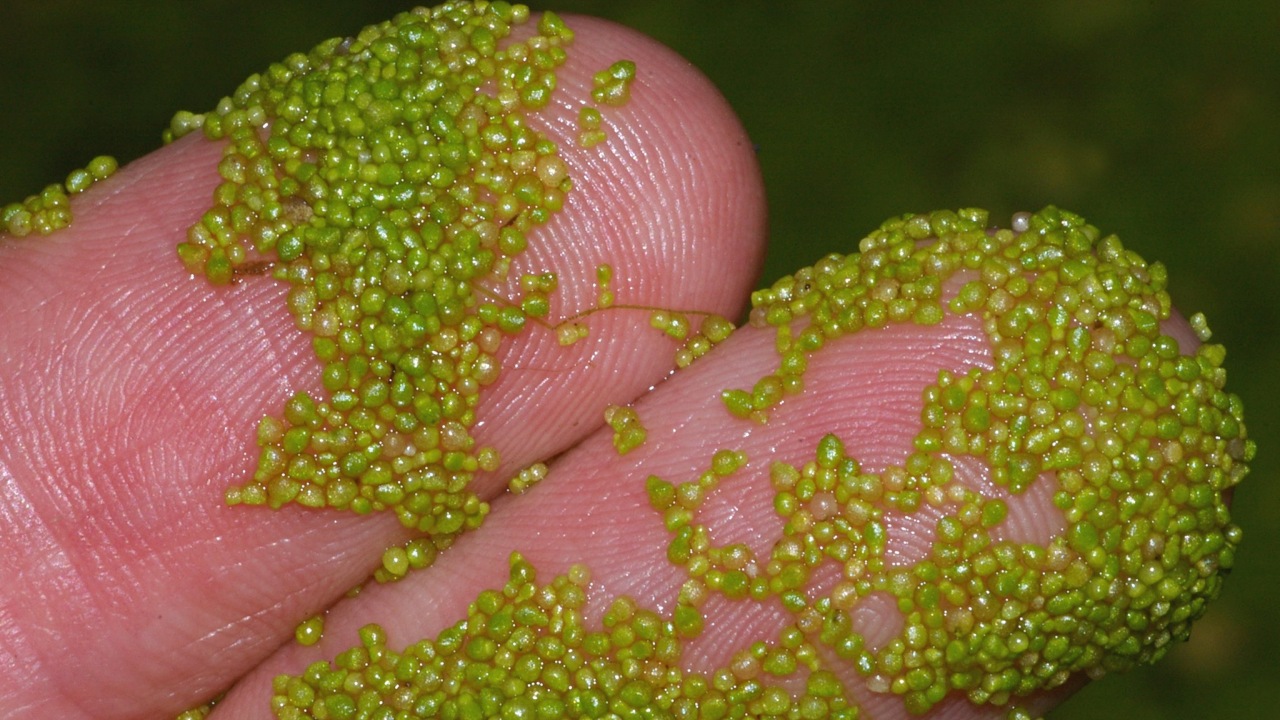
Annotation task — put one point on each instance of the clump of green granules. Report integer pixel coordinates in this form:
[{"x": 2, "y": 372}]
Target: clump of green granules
[
  {"x": 414, "y": 554},
  {"x": 389, "y": 178},
  {"x": 50, "y": 209},
  {"x": 628, "y": 431},
  {"x": 604, "y": 277},
  {"x": 612, "y": 86},
  {"x": 309, "y": 631},
  {"x": 590, "y": 130},
  {"x": 1141, "y": 441},
  {"x": 712, "y": 330},
  {"x": 1087, "y": 392},
  {"x": 526, "y": 652},
  {"x": 527, "y": 478},
  {"x": 674, "y": 324}
]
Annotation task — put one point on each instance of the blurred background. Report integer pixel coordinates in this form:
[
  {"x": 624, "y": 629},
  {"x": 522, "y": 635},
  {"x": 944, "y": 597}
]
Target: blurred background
[{"x": 1156, "y": 120}]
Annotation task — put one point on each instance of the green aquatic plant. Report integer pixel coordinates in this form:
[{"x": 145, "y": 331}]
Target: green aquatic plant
[
  {"x": 390, "y": 179},
  {"x": 50, "y": 209},
  {"x": 1087, "y": 391}
]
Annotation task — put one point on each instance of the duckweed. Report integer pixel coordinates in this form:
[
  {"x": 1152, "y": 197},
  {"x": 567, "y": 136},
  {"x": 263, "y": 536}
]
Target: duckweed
[
  {"x": 604, "y": 277},
  {"x": 612, "y": 86},
  {"x": 590, "y": 130},
  {"x": 525, "y": 651},
  {"x": 713, "y": 330},
  {"x": 674, "y": 324},
  {"x": 628, "y": 431},
  {"x": 414, "y": 554},
  {"x": 309, "y": 631},
  {"x": 1140, "y": 442},
  {"x": 50, "y": 209},
  {"x": 389, "y": 179},
  {"x": 527, "y": 478}
]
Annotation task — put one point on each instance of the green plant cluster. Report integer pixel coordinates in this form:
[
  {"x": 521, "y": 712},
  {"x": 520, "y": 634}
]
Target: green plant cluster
[
  {"x": 389, "y": 178},
  {"x": 1086, "y": 391}
]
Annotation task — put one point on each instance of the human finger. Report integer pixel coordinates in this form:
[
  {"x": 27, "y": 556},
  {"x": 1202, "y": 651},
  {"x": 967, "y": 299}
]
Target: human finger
[{"x": 132, "y": 389}]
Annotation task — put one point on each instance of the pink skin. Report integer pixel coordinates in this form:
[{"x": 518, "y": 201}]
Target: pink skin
[{"x": 131, "y": 392}]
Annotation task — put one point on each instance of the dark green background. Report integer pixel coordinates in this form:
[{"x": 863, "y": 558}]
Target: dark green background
[{"x": 1159, "y": 121}]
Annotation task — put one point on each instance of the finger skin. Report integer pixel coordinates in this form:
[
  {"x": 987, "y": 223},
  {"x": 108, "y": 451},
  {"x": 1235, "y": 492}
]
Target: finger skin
[{"x": 131, "y": 392}]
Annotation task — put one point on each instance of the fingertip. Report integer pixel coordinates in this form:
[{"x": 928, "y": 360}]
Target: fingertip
[
  {"x": 676, "y": 140},
  {"x": 670, "y": 204}
]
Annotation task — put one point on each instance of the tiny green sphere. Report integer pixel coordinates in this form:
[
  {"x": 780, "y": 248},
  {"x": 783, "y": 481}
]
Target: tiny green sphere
[
  {"x": 102, "y": 167},
  {"x": 79, "y": 181},
  {"x": 310, "y": 631},
  {"x": 340, "y": 707},
  {"x": 395, "y": 561}
]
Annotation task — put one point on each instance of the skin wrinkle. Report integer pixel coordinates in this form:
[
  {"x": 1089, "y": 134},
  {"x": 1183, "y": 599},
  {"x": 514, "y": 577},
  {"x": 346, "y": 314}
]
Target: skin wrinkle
[
  {"x": 259, "y": 619},
  {"x": 609, "y": 179},
  {"x": 22, "y": 520},
  {"x": 247, "y": 633},
  {"x": 616, "y": 546},
  {"x": 64, "y": 587},
  {"x": 116, "y": 419},
  {"x": 93, "y": 560},
  {"x": 730, "y": 628},
  {"x": 36, "y": 277},
  {"x": 116, "y": 575},
  {"x": 102, "y": 275},
  {"x": 160, "y": 342},
  {"x": 677, "y": 254},
  {"x": 142, "y": 520},
  {"x": 554, "y": 385},
  {"x": 261, "y": 632},
  {"x": 98, "y": 196},
  {"x": 19, "y": 674},
  {"x": 632, "y": 138},
  {"x": 888, "y": 396},
  {"x": 28, "y": 272},
  {"x": 1020, "y": 525},
  {"x": 282, "y": 350},
  {"x": 181, "y": 389},
  {"x": 251, "y": 633},
  {"x": 86, "y": 327},
  {"x": 911, "y": 535},
  {"x": 585, "y": 215},
  {"x": 125, "y": 424}
]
